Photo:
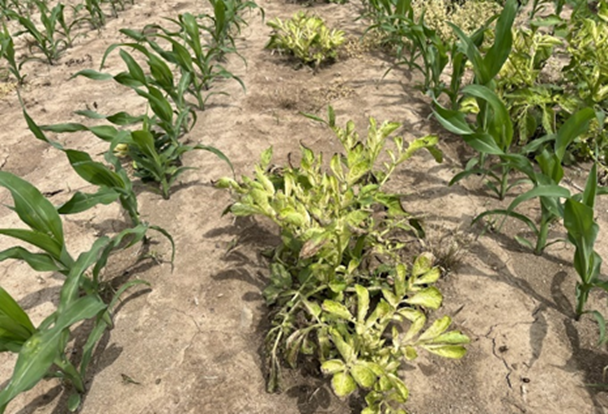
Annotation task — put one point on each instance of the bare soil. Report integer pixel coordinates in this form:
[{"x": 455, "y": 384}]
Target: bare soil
[{"x": 192, "y": 342}]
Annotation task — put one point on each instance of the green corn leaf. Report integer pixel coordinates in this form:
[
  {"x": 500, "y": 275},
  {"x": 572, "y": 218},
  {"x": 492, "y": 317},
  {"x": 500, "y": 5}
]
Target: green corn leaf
[
  {"x": 74, "y": 402},
  {"x": 483, "y": 143},
  {"x": 36, "y": 238},
  {"x": 135, "y": 70},
  {"x": 582, "y": 232},
  {"x": 81, "y": 202},
  {"x": 93, "y": 74},
  {"x": 575, "y": 126},
  {"x": 145, "y": 143},
  {"x": 508, "y": 213},
  {"x": 503, "y": 40},
  {"x": 32, "y": 207},
  {"x": 500, "y": 122},
  {"x": 472, "y": 52},
  {"x": 40, "y": 351},
  {"x": 70, "y": 289},
  {"x": 13, "y": 319},
  {"x": 453, "y": 121},
  {"x": 216, "y": 152},
  {"x": 38, "y": 261},
  {"x": 601, "y": 323},
  {"x": 553, "y": 191},
  {"x": 132, "y": 235},
  {"x": 590, "y": 191},
  {"x": 92, "y": 171}
]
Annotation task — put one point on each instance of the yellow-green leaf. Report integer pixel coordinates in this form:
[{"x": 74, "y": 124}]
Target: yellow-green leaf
[
  {"x": 337, "y": 309},
  {"x": 437, "y": 328},
  {"x": 429, "y": 298},
  {"x": 363, "y": 375},
  {"x": 343, "y": 384},
  {"x": 362, "y": 302},
  {"x": 333, "y": 366},
  {"x": 447, "y": 351}
]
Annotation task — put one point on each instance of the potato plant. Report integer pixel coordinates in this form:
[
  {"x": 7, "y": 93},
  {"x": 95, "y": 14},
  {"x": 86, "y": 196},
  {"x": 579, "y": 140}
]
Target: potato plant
[
  {"x": 339, "y": 284},
  {"x": 306, "y": 38}
]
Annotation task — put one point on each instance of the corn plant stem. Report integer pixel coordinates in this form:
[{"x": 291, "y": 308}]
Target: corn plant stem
[
  {"x": 504, "y": 182},
  {"x": 132, "y": 212},
  {"x": 582, "y": 294},
  {"x": 543, "y": 230},
  {"x": 71, "y": 373},
  {"x": 165, "y": 188}
]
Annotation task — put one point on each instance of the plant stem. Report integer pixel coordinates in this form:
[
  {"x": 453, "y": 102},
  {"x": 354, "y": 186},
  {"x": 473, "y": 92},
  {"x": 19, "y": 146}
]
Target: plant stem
[
  {"x": 582, "y": 294},
  {"x": 541, "y": 241},
  {"x": 71, "y": 373}
]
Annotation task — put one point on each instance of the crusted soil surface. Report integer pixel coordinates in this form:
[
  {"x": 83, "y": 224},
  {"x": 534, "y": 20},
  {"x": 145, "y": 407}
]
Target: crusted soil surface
[{"x": 192, "y": 342}]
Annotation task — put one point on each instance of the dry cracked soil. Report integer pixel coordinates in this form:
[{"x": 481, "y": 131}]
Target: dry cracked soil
[{"x": 192, "y": 342}]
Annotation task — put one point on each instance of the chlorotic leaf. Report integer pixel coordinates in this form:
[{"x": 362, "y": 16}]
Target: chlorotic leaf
[{"x": 343, "y": 384}]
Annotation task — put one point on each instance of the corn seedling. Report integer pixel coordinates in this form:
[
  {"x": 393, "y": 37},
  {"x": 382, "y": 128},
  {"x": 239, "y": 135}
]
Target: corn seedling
[
  {"x": 114, "y": 183},
  {"x": 327, "y": 298},
  {"x": 156, "y": 149},
  {"x": 492, "y": 136},
  {"x": 54, "y": 39},
  {"x": 487, "y": 67},
  {"x": 41, "y": 348},
  {"x": 305, "y": 37},
  {"x": 96, "y": 17},
  {"x": 196, "y": 59},
  {"x": 402, "y": 32},
  {"x": 7, "y": 52},
  {"x": 546, "y": 183},
  {"x": 579, "y": 221},
  {"x": 226, "y": 22}
]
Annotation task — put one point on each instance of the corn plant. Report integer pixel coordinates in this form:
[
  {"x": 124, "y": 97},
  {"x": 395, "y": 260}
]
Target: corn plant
[
  {"x": 579, "y": 221},
  {"x": 96, "y": 17},
  {"x": 486, "y": 67},
  {"x": 55, "y": 37},
  {"x": 546, "y": 183},
  {"x": 226, "y": 22},
  {"x": 114, "y": 184},
  {"x": 7, "y": 51},
  {"x": 42, "y": 351},
  {"x": 305, "y": 37},
  {"x": 189, "y": 53},
  {"x": 491, "y": 136},
  {"x": 23, "y": 7},
  {"x": 400, "y": 30},
  {"x": 337, "y": 283},
  {"x": 156, "y": 149}
]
